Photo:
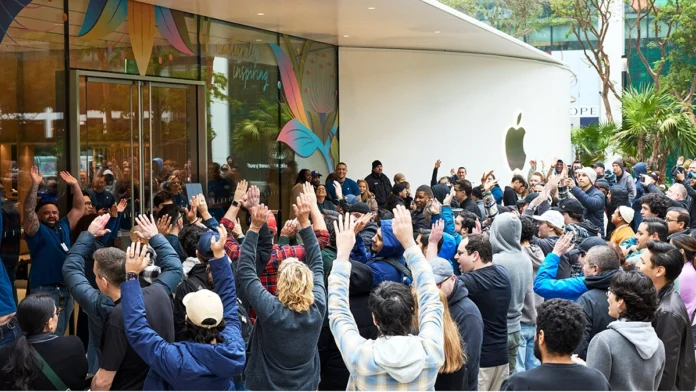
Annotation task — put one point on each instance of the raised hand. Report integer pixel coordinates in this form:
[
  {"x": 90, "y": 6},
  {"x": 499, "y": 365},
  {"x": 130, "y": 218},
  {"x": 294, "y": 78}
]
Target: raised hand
[
  {"x": 438, "y": 163},
  {"x": 242, "y": 187},
  {"x": 680, "y": 176},
  {"x": 433, "y": 206},
  {"x": 478, "y": 229},
  {"x": 253, "y": 197},
  {"x": 308, "y": 189},
  {"x": 36, "y": 177},
  {"x": 97, "y": 227},
  {"x": 485, "y": 176},
  {"x": 436, "y": 232},
  {"x": 218, "y": 245},
  {"x": 113, "y": 211},
  {"x": 532, "y": 164},
  {"x": 564, "y": 244},
  {"x": 259, "y": 217},
  {"x": 339, "y": 190},
  {"x": 137, "y": 258},
  {"x": 148, "y": 227},
  {"x": 303, "y": 208},
  {"x": 68, "y": 178},
  {"x": 680, "y": 161},
  {"x": 402, "y": 227},
  {"x": 237, "y": 230},
  {"x": 448, "y": 199},
  {"x": 570, "y": 183},
  {"x": 122, "y": 205},
  {"x": 164, "y": 225},
  {"x": 289, "y": 229},
  {"x": 452, "y": 172},
  {"x": 345, "y": 236},
  {"x": 362, "y": 222},
  {"x": 191, "y": 212},
  {"x": 202, "y": 205}
]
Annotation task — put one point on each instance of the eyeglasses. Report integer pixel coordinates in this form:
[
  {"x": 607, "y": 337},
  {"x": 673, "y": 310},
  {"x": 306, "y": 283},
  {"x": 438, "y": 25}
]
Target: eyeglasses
[
  {"x": 671, "y": 220},
  {"x": 57, "y": 313}
]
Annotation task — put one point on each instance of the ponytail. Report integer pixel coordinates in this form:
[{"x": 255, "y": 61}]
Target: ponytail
[{"x": 32, "y": 315}]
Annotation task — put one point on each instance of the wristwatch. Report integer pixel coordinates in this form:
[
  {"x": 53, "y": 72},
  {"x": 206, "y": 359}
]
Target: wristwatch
[
  {"x": 235, "y": 203},
  {"x": 131, "y": 276}
]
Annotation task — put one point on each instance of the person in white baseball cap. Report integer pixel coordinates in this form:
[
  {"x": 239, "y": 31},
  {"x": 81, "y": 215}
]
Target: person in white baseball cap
[
  {"x": 203, "y": 308},
  {"x": 622, "y": 218}
]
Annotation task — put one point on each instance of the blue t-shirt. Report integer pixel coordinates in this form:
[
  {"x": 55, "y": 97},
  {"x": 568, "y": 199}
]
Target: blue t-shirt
[
  {"x": 47, "y": 253},
  {"x": 348, "y": 186}
]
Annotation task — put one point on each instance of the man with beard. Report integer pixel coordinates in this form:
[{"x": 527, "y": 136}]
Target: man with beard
[
  {"x": 379, "y": 184},
  {"x": 48, "y": 239},
  {"x": 348, "y": 186},
  {"x": 559, "y": 329}
]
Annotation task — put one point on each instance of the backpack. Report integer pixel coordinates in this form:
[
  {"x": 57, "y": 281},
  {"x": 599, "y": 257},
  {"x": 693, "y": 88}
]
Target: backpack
[{"x": 407, "y": 276}]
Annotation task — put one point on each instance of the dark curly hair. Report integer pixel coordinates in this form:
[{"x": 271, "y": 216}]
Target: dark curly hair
[
  {"x": 638, "y": 293},
  {"x": 563, "y": 323},
  {"x": 393, "y": 306},
  {"x": 658, "y": 204},
  {"x": 189, "y": 236},
  {"x": 480, "y": 243},
  {"x": 205, "y": 335},
  {"x": 528, "y": 229},
  {"x": 468, "y": 220}
]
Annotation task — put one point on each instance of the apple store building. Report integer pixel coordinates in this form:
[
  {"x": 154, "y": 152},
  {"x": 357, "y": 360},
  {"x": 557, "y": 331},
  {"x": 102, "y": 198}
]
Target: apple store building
[{"x": 191, "y": 96}]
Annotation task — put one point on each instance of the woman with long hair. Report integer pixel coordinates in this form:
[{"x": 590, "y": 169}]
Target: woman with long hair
[
  {"x": 687, "y": 279},
  {"x": 39, "y": 352},
  {"x": 452, "y": 375},
  {"x": 367, "y": 197},
  {"x": 628, "y": 352},
  {"x": 283, "y": 348}
]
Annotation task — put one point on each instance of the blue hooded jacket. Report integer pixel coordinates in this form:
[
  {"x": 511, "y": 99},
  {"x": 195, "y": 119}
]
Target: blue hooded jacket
[
  {"x": 391, "y": 248},
  {"x": 638, "y": 169},
  {"x": 188, "y": 365}
]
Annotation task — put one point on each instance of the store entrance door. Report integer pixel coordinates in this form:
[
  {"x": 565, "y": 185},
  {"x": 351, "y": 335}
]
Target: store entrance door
[{"x": 133, "y": 137}]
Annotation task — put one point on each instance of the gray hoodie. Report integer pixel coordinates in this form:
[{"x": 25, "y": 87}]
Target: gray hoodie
[
  {"x": 629, "y": 354},
  {"x": 505, "y": 234},
  {"x": 531, "y": 300}
]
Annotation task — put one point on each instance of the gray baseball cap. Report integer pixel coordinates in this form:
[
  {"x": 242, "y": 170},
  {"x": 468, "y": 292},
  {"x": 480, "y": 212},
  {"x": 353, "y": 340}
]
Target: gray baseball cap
[{"x": 442, "y": 269}]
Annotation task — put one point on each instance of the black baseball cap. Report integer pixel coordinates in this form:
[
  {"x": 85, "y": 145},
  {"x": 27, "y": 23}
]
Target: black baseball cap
[
  {"x": 571, "y": 205},
  {"x": 587, "y": 244},
  {"x": 599, "y": 164}
]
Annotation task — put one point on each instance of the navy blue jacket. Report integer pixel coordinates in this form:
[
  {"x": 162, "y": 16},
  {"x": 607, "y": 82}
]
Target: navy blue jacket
[
  {"x": 391, "y": 248},
  {"x": 593, "y": 201},
  {"x": 188, "y": 365}
]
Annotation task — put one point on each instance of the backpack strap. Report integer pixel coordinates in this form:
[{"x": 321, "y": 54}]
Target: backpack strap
[
  {"x": 50, "y": 374},
  {"x": 404, "y": 270}
]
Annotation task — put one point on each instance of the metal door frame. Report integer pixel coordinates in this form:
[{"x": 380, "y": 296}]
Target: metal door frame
[{"x": 140, "y": 81}]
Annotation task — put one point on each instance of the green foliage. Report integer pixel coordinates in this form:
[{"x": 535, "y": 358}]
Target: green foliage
[
  {"x": 591, "y": 142},
  {"x": 681, "y": 78},
  {"x": 514, "y": 17},
  {"x": 259, "y": 131},
  {"x": 655, "y": 125}
]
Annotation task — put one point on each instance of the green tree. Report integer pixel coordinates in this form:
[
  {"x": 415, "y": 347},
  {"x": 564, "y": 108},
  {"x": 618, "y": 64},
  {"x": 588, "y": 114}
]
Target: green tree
[
  {"x": 259, "y": 131},
  {"x": 514, "y": 17},
  {"x": 591, "y": 142},
  {"x": 681, "y": 79},
  {"x": 655, "y": 125}
]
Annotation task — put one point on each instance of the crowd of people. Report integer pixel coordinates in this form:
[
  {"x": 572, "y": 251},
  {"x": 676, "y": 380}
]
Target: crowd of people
[{"x": 571, "y": 278}]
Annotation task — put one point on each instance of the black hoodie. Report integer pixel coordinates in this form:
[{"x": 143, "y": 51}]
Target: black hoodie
[
  {"x": 594, "y": 303},
  {"x": 468, "y": 318},
  {"x": 619, "y": 197},
  {"x": 334, "y": 374}
]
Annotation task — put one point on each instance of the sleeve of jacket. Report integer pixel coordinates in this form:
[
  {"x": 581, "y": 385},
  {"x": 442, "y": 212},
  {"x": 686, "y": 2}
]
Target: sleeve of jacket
[
  {"x": 689, "y": 189},
  {"x": 430, "y": 313},
  {"x": 631, "y": 185},
  {"x": 211, "y": 224},
  {"x": 163, "y": 357},
  {"x": 90, "y": 299},
  {"x": 509, "y": 197},
  {"x": 599, "y": 356},
  {"x": 316, "y": 264},
  {"x": 547, "y": 286},
  {"x": 172, "y": 272},
  {"x": 250, "y": 286},
  {"x": 433, "y": 180},
  {"x": 651, "y": 188},
  {"x": 670, "y": 330},
  {"x": 112, "y": 225},
  {"x": 591, "y": 202},
  {"x": 223, "y": 280},
  {"x": 176, "y": 245},
  {"x": 586, "y": 306}
]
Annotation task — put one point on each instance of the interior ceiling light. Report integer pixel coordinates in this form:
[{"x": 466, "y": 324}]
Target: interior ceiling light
[
  {"x": 437, "y": 32},
  {"x": 260, "y": 14},
  {"x": 346, "y": 36},
  {"x": 370, "y": 8}
]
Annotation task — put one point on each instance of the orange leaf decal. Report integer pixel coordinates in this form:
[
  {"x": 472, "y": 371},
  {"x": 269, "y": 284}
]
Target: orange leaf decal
[{"x": 141, "y": 28}]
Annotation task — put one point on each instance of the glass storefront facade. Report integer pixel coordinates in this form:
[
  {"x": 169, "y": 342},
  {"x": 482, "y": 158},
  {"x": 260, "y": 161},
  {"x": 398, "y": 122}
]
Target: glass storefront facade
[{"x": 157, "y": 99}]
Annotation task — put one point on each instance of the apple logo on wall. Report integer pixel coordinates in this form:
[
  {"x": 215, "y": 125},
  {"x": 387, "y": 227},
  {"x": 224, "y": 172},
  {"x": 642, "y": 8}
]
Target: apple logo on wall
[{"x": 514, "y": 145}]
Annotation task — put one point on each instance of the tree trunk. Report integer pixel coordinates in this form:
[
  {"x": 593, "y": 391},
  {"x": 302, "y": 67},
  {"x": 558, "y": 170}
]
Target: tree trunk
[
  {"x": 640, "y": 149},
  {"x": 607, "y": 105}
]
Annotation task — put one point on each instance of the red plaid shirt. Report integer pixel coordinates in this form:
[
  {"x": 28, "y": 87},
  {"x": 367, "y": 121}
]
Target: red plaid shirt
[{"x": 269, "y": 276}]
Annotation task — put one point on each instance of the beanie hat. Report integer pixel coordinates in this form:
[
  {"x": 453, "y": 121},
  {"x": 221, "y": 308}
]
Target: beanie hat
[
  {"x": 398, "y": 188},
  {"x": 375, "y": 164},
  {"x": 626, "y": 213},
  {"x": 619, "y": 162},
  {"x": 603, "y": 184},
  {"x": 589, "y": 172}
]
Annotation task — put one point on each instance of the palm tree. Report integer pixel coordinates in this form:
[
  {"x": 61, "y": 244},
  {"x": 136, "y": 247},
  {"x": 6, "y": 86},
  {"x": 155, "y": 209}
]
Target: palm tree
[
  {"x": 656, "y": 124},
  {"x": 591, "y": 142},
  {"x": 259, "y": 131}
]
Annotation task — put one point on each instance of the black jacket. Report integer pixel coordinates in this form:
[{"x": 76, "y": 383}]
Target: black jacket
[
  {"x": 334, "y": 374},
  {"x": 197, "y": 279},
  {"x": 469, "y": 205},
  {"x": 692, "y": 206},
  {"x": 468, "y": 318},
  {"x": 594, "y": 304},
  {"x": 673, "y": 326},
  {"x": 418, "y": 220},
  {"x": 394, "y": 200},
  {"x": 380, "y": 185}
]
